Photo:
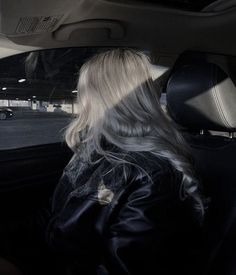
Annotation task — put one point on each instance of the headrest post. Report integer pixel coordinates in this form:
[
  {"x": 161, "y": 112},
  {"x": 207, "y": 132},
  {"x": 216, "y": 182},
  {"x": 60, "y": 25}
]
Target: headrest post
[{"x": 231, "y": 135}]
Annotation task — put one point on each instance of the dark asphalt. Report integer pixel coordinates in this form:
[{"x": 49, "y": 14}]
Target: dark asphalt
[{"x": 31, "y": 129}]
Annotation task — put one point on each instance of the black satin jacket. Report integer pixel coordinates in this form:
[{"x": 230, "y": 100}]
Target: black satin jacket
[{"x": 106, "y": 221}]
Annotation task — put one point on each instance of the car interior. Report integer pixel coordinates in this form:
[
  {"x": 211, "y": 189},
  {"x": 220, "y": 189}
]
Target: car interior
[
  {"x": 207, "y": 94},
  {"x": 192, "y": 46}
]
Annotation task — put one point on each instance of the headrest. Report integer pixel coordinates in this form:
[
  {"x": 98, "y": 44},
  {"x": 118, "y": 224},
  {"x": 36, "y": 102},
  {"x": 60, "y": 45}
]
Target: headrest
[{"x": 202, "y": 97}]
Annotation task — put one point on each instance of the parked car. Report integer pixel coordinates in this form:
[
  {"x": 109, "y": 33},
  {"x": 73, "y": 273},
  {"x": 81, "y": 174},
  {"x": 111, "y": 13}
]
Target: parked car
[{"x": 5, "y": 113}]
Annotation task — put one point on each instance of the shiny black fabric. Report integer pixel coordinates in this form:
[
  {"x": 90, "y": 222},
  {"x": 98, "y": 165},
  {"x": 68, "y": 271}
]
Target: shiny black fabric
[{"x": 106, "y": 221}]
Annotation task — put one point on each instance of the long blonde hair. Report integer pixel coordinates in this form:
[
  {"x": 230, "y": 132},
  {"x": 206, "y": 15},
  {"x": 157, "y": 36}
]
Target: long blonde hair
[{"x": 119, "y": 102}]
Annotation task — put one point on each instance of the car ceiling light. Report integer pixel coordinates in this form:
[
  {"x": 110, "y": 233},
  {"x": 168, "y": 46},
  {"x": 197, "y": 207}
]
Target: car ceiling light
[
  {"x": 4, "y": 88},
  {"x": 21, "y": 80},
  {"x": 74, "y": 91},
  {"x": 34, "y": 96}
]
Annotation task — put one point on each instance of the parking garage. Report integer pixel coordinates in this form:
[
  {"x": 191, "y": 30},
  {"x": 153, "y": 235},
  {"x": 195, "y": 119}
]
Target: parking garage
[{"x": 40, "y": 89}]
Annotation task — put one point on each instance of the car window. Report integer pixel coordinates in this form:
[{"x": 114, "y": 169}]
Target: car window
[{"x": 38, "y": 95}]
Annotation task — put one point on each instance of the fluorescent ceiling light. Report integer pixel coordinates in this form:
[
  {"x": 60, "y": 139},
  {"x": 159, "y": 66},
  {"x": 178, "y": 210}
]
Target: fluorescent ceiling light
[{"x": 21, "y": 80}]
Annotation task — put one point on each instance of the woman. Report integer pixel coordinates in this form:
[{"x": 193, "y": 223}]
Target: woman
[{"x": 128, "y": 201}]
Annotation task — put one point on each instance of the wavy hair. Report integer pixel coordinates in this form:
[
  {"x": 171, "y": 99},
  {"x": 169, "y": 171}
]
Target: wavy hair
[{"x": 118, "y": 101}]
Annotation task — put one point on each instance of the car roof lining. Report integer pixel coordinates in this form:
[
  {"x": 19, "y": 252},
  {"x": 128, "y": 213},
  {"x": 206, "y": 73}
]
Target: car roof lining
[{"x": 104, "y": 23}]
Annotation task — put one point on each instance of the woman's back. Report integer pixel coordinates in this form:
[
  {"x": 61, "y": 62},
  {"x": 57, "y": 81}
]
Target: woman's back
[
  {"x": 134, "y": 224},
  {"x": 129, "y": 201}
]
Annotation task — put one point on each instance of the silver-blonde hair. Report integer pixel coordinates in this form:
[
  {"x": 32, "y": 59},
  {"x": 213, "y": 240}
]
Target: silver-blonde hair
[{"x": 118, "y": 101}]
